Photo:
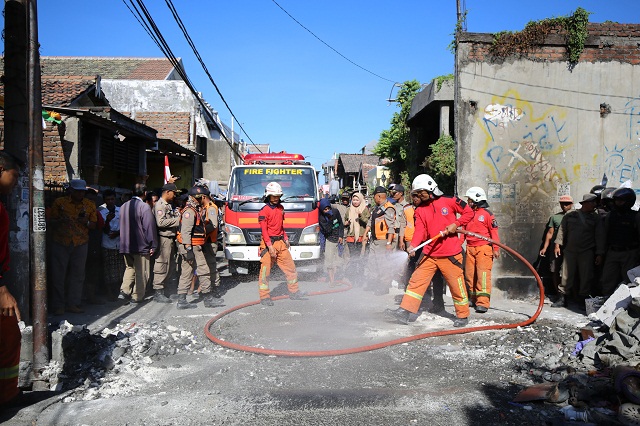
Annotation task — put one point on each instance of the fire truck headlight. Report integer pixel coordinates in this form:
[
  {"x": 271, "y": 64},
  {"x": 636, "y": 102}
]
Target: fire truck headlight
[
  {"x": 309, "y": 235},
  {"x": 234, "y": 235}
]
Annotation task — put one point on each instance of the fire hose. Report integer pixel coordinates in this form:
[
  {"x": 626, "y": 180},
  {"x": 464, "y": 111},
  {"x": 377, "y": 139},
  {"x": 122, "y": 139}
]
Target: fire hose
[{"x": 345, "y": 351}]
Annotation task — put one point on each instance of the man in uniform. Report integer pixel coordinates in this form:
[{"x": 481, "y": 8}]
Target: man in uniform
[
  {"x": 397, "y": 194},
  {"x": 274, "y": 246},
  {"x": 167, "y": 221},
  {"x": 436, "y": 216},
  {"x": 580, "y": 248},
  {"x": 382, "y": 228},
  {"x": 621, "y": 239},
  {"x": 212, "y": 225},
  {"x": 196, "y": 253}
]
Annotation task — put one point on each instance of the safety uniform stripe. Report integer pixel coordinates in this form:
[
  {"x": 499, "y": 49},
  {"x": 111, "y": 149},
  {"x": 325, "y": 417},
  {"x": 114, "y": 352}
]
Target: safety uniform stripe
[
  {"x": 463, "y": 291},
  {"x": 292, "y": 281},
  {"x": 414, "y": 295},
  {"x": 484, "y": 294},
  {"x": 9, "y": 372},
  {"x": 484, "y": 281}
]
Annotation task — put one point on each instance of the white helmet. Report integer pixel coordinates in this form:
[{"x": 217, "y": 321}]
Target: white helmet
[
  {"x": 476, "y": 194},
  {"x": 273, "y": 188},
  {"x": 427, "y": 183}
]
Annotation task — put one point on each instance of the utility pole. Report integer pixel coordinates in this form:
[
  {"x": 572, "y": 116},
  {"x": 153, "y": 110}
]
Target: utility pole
[{"x": 23, "y": 138}]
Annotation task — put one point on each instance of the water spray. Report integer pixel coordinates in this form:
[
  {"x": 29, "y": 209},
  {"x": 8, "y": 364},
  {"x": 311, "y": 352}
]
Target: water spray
[{"x": 346, "y": 351}]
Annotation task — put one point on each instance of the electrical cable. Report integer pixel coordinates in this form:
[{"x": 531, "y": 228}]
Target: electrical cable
[
  {"x": 178, "y": 20},
  {"x": 329, "y": 46},
  {"x": 346, "y": 351},
  {"x": 156, "y": 35}
]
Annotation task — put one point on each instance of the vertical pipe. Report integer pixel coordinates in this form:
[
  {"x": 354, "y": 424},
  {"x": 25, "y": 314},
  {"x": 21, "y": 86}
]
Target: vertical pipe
[{"x": 38, "y": 224}]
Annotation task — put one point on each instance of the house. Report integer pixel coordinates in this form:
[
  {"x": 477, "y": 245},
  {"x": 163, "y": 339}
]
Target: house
[
  {"x": 352, "y": 169},
  {"x": 151, "y": 91}
]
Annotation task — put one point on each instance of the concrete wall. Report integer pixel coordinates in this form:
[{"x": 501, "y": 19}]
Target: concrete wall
[{"x": 529, "y": 129}]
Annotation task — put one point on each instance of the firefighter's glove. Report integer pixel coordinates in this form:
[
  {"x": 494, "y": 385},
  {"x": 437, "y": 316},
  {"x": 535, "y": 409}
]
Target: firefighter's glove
[
  {"x": 190, "y": 256},
  {"x": 272, "y": 251},
  {"x": 411, "y": 250}
]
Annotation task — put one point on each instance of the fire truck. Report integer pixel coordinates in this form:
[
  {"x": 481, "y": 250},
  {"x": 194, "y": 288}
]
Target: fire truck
[{"x": 245, "y": 198}]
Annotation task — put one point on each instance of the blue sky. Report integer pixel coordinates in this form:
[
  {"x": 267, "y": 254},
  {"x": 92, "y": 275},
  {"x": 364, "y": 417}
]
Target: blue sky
[{"x": 286, "y": 87}]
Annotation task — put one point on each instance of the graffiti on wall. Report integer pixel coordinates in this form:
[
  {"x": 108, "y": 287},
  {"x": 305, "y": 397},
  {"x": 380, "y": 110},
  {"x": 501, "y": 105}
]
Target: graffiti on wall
[
  {"x": 520, "y": 143},
  {"x": 622, "y": 159}
]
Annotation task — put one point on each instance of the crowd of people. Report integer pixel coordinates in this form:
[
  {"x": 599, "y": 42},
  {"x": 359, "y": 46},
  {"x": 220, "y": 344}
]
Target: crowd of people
[
  {"x": 104, "y": 251},
  {"x": 382, "y": 245},
  {"x": 589, "y": 251}
]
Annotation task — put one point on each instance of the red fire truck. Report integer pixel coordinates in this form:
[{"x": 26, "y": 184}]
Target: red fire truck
[{"x": 245, "y": 198}]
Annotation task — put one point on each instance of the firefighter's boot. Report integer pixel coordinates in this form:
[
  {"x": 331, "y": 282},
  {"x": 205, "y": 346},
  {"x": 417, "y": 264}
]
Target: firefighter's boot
[
  {"x": 460, "y": 322},
  {"x": 266, "y": 301},
  {"x": 401, "y": 315},
  {"x": 183, "y": 304},
  {"x": 210, "y": 301},
  {"x": 159, "y": 297},
  {"x": 298, "y": 295}
]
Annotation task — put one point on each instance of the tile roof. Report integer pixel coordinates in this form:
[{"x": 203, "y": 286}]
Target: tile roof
[
  {"x": 107, "y": 67},
  {"x": 352, "y": 162},
  {"x": 62, "y": 90}
]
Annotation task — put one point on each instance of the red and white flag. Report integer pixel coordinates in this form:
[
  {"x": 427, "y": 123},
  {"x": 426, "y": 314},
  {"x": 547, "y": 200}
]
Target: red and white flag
[{"x": 167, "y": 171}]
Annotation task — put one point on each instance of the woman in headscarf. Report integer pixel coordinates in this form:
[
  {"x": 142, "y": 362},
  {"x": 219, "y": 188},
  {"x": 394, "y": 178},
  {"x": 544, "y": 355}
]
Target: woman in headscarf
[
  {"x": 356, "y": 221},
  {"x": 332, "y": 228}
]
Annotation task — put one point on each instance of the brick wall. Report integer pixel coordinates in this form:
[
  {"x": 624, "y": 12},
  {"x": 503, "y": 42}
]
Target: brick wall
[
  {"x": 606, "y": 42},
  {"x": 170, "y": 125}
]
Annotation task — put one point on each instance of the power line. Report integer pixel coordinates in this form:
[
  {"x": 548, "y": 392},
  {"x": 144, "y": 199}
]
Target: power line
[
  {"x": 178, "y": 20},
  {"x": 329, "y": 46},
  {"x": 143, "y": 17}
]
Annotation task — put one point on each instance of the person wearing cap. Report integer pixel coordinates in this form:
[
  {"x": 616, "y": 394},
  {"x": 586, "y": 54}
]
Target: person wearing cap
[
  {"x": 436, "y": 218},
  {"x": 112, "y": 260},
  {"x": 138, "y": 242},
  {"x": 274, "y": 246},
  {"x": 480, "y": 252},
  {"x": 621, "y": 240},
  {"x": 401, "y": 206},
  {"x": 71, "y": 218},
  {"x": 576, "y": 240},
  {"x": 380, "y": 233},
  {"x": 555, "y": 262},
  {"x": 211, "y": 213},
  {"x": 167, "y": 222},
  {"x": 195, "y": 253}
]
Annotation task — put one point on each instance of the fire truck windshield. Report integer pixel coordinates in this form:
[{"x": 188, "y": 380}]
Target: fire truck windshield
[{"x": 248, "y": 182}]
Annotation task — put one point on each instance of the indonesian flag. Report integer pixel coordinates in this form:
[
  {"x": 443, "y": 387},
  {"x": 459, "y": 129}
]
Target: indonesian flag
[{"x": 167, "y": 171}]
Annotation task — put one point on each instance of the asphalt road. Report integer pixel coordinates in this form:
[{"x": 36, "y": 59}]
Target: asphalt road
[{"x": 465, "y": 379}]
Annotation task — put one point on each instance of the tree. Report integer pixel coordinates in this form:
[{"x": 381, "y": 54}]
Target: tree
[
  {"x": 393, "y": 142},
  {"x": 441, "y": 163}
]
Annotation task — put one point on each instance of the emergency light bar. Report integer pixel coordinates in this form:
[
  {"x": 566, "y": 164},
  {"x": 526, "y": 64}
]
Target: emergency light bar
[{"x": 282, "y": 158}]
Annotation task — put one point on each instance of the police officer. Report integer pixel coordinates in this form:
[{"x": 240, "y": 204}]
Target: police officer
[
  {"x": 621, "y": 239},
  {"x": 397, "y": 194},
  {"x": 212, "y": 226},
  {"x": 196, "y": 254},
  {"x": 382, "y": 228},
  {"x": 167, "y": 222}
]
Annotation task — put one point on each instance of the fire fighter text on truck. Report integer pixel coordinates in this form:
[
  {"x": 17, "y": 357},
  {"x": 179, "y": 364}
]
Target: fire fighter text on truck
[{"x": 245, "y": 198}]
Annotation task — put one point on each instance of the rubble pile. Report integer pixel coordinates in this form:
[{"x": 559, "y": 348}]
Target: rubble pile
[
  {"x": 592, "y": 372},
  {"x": 115, "y": 361}
]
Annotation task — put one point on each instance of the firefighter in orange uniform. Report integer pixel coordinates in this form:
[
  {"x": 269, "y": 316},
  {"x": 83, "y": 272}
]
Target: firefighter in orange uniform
[
  {"x": 196, "y": 254},
  {"x": 274, "y": 246},
  {"x": 436, "y": 216},
  {"x": 480, "y": 253}
]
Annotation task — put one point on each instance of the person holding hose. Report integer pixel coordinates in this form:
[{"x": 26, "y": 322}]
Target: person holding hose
[
  {"x": 436, "y": 219},
  {"x": 274, "y": 246},
  {"x": 480, "y": 253}
]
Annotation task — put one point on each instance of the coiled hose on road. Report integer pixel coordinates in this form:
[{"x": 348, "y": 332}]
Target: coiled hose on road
[{"x": 346, "y": 351}]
